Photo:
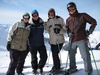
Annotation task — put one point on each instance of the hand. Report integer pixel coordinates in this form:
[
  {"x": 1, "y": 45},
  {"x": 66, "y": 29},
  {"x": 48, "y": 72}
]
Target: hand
[
  {"x": 45, "y": 23},
  {"x": 8, "y": 45},
  {"x": 28, "y": 47},
  {"x": 57, "y": 30},
  {"x": 88, "y": 32},
  {"x": 71, "y": 35}
]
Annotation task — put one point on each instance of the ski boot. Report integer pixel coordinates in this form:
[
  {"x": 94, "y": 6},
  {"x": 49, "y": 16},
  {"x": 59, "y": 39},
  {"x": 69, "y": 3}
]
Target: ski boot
[
  {"x": 21, "y": 74},
  {"x": 70, "y": 71}
]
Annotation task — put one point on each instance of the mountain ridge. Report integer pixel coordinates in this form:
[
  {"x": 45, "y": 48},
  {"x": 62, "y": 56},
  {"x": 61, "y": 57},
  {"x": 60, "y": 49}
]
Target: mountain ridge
[{"x": 94, "y": 38}]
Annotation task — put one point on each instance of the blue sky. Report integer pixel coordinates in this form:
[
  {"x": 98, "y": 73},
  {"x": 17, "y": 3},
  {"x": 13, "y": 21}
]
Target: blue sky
[{"x": 11, "y": 11}]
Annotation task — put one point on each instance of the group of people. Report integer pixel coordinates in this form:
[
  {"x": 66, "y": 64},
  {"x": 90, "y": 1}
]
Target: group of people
[{"x": 27, "y": 36}]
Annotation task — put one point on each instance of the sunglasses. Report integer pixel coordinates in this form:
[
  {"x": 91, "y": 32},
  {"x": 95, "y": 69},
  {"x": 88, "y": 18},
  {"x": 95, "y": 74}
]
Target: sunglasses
[
  {"x": 35, "y": 15},
  {"x": 26, "y": 17}
]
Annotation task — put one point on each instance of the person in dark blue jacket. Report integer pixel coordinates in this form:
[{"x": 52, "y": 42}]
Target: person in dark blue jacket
[{"x": 36, "y": 42}]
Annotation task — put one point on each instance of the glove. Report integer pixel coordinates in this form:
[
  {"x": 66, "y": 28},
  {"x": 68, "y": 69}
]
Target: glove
[
  {"x": 71, "y": 35},
  {"x": 28, "y": 47},
  {"x": 57, "y": 30},
  {"x": 8, "y": 45},
  {"x": 88, "y": 32}
]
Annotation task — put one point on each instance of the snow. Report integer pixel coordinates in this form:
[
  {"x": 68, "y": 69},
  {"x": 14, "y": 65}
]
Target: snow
[
  {"x": 4, "y": 62},
  {"x": 4, "y": 55}
]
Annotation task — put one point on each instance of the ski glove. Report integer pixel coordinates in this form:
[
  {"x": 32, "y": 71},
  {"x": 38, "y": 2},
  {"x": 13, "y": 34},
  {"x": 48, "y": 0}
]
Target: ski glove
[
  {"x": 57, "y": 30},
  {"x": 8, "y": 45},
  {"x": 71, "y": 35},
  {"x": 88, "y": 32}
]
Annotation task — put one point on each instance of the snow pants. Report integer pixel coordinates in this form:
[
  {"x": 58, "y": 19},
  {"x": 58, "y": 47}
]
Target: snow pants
[
  {"x": 34, "y": 59},
  {"x": 55, "y": 54},
  {"x": 84, "y": 51},
  {"x": 17, "y": 60}
]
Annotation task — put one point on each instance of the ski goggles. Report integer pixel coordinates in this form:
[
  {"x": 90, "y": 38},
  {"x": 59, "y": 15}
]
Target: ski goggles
[
  {"x": 26, "y": 17},
  {"x": 35, "y": 15}
]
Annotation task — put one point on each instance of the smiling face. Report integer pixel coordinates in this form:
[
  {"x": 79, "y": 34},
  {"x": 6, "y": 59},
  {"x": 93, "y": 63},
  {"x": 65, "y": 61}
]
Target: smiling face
[
  {"x": 26, "y": 20},
  {"x": 35, "y": 16},
  {"x": 71, "y": 10},
  {"x": 51, "y": 15}
]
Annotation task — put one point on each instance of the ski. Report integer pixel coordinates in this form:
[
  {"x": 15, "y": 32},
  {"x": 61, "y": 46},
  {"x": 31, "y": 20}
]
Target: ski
[
  {"x": 53, "y": 73},
  {"x": 36, "y": 73},
  {"x": 62, "y": 72},
  {"x": 74, "y": 72}
]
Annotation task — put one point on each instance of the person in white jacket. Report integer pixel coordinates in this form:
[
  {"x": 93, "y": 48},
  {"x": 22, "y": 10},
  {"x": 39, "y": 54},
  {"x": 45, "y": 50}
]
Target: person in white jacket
[
  {"x": 56, "y": 29},
  {"x": 17, "y": 45}
]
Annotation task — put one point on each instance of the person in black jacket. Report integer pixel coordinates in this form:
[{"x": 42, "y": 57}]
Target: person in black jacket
[{"x": 36, "y": 42}]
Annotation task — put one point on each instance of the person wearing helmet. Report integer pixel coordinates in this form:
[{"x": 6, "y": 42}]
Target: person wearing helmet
[
  {"x": 17, "y": 45},
  {"x": 55, "y": 27},
  {"x": 76, "y": 27},
  {"x": 36, "y": 42}
]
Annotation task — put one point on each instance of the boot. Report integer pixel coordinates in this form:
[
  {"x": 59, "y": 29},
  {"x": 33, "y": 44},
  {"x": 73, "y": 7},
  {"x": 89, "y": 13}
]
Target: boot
[
  {"x": 21, "y": 74},
  {"x": 69, "y": 71}
]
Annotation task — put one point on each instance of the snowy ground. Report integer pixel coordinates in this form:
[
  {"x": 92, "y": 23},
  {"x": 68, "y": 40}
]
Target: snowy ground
[{"x": 4, "y": 62}]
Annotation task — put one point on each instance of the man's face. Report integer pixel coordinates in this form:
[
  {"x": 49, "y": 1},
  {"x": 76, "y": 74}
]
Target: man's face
[
  {"x": 71, "y": 10},
  {"x": 35, "y": 16}
]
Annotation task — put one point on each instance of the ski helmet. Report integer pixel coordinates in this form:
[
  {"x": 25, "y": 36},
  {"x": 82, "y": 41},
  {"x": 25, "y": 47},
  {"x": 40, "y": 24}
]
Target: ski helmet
[
  {"x": 51, "y": 10},
  {"x": 34, "y": 11},
  {"x": 26, "y": 15},
  {"x": 71, "y": 4}
]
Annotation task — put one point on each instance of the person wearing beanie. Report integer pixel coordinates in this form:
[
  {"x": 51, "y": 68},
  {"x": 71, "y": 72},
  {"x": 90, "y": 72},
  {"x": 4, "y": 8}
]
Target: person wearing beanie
[
  {"x": 36, "y": 42},
  {"x": 17, "y": 45},
  {"x": 76, "y": 28},
  {"x": 56, "y": 29}
]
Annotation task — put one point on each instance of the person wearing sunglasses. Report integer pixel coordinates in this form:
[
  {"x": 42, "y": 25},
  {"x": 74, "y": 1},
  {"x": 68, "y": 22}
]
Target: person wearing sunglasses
[
  {"x": 36, "y": 42},
  {"x": 76, "y": 28},
  {"x": 55, "y": 26},
  {"x": 17, "y": 45}
]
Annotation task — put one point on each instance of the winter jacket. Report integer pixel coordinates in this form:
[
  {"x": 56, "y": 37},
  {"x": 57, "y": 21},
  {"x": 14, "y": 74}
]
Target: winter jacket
[
  {"x": 57, "y": 22},
  {"x": 18, "y": 36},
  {"x": 77, "y": 24},
  {"x": 36, "y": 37}
]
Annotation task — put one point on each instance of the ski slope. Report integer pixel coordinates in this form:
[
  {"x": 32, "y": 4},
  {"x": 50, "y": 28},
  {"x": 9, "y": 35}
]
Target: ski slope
[
  {"x": 4, "y": 56},
  {"x": 4, "y": 62}
]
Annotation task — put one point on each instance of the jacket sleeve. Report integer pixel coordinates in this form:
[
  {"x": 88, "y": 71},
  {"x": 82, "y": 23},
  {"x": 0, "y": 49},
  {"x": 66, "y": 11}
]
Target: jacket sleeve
[
  {"x": 64, "y": 29},
  {"x": 91, "y": 21},
  {"x": 67, "y": 27},
  {"x": 11, "y": 31},
  {"x": 46, "y": 26}
]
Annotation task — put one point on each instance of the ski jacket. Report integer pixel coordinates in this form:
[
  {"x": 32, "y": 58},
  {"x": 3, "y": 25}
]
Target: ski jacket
[
  {"x": 77, "y": 25},
  {"x": 18, "y": 36},
  {"x": 57, "y": 22},
  {"x": 36, "y": 37}
]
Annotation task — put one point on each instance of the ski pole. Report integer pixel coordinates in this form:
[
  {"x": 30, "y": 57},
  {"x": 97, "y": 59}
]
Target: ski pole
[
  {"x": 67, "y": 59},
  {"x": 48, "y": 59},
  {"x": 94, "y": 59},
  {"x": 69, "y": 47}
]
